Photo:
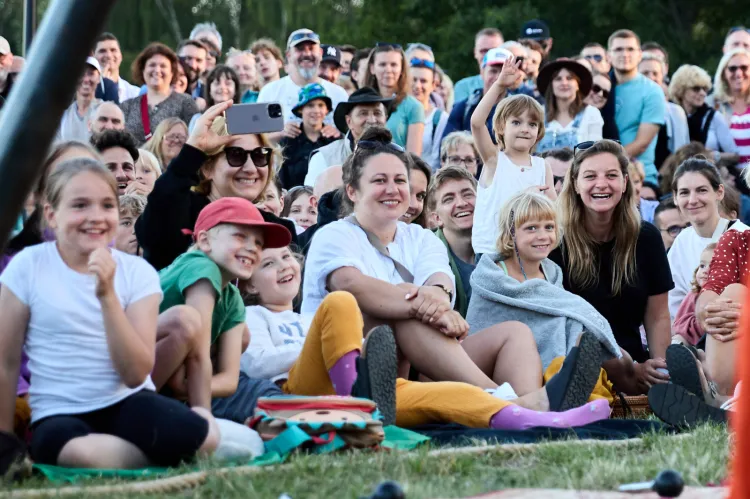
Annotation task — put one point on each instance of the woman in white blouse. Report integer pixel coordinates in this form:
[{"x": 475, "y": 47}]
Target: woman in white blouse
[
  {"x": 400, "y": 276},
  {"x": 565, "y": 84}
]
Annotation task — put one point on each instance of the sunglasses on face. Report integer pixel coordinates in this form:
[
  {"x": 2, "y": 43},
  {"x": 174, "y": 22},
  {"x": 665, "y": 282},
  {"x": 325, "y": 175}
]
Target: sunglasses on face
[
  {"x": 237, "y": 156},
  {"x": 421, "y": 63},
  {"x": 594, "y": 57},
  {"x": 734, "y": 69},
  {"x": 735, "y": 29},
  {"x": 698, "y": 89},
  {"x": 374, "y": 144},
  {"x": 599, "y": 90},
  {"x": 305, "y": 35},
  {"x": 674, "y": 230},
  {"x": 386, "y": 45}
]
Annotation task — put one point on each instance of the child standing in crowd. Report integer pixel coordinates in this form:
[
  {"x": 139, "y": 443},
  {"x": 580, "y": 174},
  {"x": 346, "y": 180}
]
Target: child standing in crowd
[
  {"x": 228, "y": 239},
  {"x": 686, "y": 328},
  {"x": 86, "y": 316},
  {"x": 324, "y": 355},
  {"x": 509, "y": 166}
]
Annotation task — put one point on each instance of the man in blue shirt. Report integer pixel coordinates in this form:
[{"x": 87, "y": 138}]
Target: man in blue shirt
[
  {"x": 486, "y": 39},
  {"x": 639, "y": 102}
]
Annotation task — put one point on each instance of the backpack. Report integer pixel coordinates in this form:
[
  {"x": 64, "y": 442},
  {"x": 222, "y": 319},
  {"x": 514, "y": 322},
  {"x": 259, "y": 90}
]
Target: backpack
[{"x": 321, "y": 424}]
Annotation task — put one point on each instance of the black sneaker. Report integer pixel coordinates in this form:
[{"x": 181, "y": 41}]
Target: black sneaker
[
  {"x": 683, "y": 369},
  {"x": 676, "y": 406},
  {"x": 377, "y": 367},
  {"x": 572, "y": 386}
]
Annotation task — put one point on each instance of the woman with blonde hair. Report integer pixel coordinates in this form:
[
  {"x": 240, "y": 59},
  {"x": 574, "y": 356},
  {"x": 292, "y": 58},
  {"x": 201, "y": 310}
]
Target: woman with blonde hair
[
  {"x": 613, "y": 260},
  {"x": 222, "y": 165},
  {"x": 388, "y": 73},
  {"x": 732, "y": 97},
  {"x": 689, "y": 87},
  {"x": 167, "y": 142}
]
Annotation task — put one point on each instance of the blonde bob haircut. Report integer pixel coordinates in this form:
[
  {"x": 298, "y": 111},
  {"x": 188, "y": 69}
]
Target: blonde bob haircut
[
  {"x": 219, "y": 126},
  {"x": 514, "y": 107},
  {"x": 686, "y": 77},
  {"x": 580, "y": 247},
  {"x": 522, "y": 208}
]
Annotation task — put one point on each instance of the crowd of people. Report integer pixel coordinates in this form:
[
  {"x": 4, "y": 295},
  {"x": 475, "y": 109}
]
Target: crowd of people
[{"x": 507, "y": 252}]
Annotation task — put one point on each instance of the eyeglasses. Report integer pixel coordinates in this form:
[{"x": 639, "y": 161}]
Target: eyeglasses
[
  {"x": 594, "y": 57},
  {"x": 733, "y": 69},
  {"x": 421, "y": 63},
  {"x": 237, "y": 156},
  {"x": 175, "y": 139},
  {"x": 458, "y": 160},
  {"x": 674, "y": 230},
  {"x": 596, "y": 89},
  {"x": 699, "y": 88},
  {"x": 386, "y": 45},
  {"x": 374, "y": 144},
  {"x": 582, "y": 146}
]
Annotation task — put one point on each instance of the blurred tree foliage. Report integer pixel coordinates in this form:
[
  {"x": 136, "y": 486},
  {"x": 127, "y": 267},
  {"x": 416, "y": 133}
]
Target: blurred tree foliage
[{"x": 692, "y": 30}]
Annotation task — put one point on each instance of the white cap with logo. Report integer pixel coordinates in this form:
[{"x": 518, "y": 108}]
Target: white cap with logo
[{"x": 4, "y": 46}]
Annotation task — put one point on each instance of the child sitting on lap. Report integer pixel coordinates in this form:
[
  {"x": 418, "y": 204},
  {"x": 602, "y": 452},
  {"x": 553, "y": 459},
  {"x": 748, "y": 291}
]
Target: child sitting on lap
[{"x": 686, "y": 328}]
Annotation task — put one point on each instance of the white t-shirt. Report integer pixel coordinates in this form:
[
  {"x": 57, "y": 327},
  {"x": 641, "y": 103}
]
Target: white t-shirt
[
  {"x": 432, "y": 137},
  {"x": 286, "y": 92},
  {"x": 508, "y": 180},
  {"x": 342, "y": 244},
  {"x": 71, "y": 369},
  {"x": 684, "y": 257},
  {"x": 126, "y": 90},
  {"x": 276, "y": 340},
  {"x": 590, "y": 127}
]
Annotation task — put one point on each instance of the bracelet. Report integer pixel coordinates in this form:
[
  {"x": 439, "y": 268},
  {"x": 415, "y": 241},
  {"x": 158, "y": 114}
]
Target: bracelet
[{"x": 446, "y": 289}]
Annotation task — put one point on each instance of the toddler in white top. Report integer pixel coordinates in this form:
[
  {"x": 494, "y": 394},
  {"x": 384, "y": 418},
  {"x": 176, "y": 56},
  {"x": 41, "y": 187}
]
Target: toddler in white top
[{"x": 508, "y": 167}]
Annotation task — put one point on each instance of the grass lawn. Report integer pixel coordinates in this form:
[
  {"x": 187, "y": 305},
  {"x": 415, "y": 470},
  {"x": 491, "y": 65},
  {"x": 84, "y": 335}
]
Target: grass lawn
[{"x": 700, "y": 456}]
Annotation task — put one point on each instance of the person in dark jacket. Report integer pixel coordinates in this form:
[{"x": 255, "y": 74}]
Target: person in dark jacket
[
  {"x": 210, "y": 166},
  {"x": 312, "y": 107}
]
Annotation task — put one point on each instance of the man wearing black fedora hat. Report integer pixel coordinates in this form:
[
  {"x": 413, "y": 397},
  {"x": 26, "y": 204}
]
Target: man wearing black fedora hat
[{"x": 365, "y": 108}]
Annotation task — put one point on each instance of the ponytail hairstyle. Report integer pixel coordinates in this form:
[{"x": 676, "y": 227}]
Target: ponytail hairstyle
[{"x": 378, "y": 140}]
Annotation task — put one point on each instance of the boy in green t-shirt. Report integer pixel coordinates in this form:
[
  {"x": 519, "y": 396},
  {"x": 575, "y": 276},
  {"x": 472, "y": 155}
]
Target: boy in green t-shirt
[{"x": 229, "y": 236}]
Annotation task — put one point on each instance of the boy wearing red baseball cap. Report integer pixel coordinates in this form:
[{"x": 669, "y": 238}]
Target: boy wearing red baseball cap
[{"x": 229, "y": 236}]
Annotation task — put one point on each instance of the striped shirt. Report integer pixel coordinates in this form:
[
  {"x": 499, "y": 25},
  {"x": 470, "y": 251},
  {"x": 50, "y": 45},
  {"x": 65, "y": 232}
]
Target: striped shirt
[{"x": 740, "y": 129}]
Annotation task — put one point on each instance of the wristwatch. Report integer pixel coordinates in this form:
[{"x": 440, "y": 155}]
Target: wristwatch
[{"x": 446, "y": 289}]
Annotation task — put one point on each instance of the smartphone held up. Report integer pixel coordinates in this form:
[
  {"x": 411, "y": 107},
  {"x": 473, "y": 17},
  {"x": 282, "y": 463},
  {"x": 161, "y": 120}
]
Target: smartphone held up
[{"x": 263, "y": 117}]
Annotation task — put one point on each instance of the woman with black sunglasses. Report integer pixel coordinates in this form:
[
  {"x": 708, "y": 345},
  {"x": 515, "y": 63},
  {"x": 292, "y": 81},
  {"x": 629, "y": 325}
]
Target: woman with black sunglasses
[
  {"x": 732, "y": 96},
  {"x": 210, "y": 166}
]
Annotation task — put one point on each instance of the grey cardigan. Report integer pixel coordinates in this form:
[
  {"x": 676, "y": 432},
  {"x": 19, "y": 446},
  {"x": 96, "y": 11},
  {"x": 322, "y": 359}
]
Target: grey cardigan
[{"x": 555, "y": 316}]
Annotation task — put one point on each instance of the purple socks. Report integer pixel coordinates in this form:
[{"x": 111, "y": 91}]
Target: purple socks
[
  {"x": 518, "y": 418},
  {"x": 343, "y": 374}
]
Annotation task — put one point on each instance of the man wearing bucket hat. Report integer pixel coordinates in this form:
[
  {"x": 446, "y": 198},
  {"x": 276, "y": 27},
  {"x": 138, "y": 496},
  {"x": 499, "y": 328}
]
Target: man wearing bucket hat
[
  {"x": 303, "y": 56},
  {"x": 365, "y": 108},
  {"x": 312, "y": 106},
  {"x": 75, "y": 120},
  {"x": 565, "y": 84}
]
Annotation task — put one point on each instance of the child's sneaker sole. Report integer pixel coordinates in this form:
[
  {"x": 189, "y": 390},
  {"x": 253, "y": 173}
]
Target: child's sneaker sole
[{"x": 676, "y": 406}]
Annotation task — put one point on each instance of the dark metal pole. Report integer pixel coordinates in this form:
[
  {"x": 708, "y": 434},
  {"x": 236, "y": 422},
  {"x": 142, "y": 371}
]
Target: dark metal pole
[
  {"x": 29, "y": 24},
  {"x": 44, "y": 89}
]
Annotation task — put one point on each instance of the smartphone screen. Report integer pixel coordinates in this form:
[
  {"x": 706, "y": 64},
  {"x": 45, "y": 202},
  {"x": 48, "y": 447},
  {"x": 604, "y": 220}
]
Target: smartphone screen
[{"x": 263, "y": 117}]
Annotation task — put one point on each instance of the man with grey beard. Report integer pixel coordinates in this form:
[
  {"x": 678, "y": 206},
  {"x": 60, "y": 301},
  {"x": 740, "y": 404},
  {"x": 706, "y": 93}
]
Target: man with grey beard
[
  {"x": 6, "y": 77},
  {"x": 303, "y": 56}
]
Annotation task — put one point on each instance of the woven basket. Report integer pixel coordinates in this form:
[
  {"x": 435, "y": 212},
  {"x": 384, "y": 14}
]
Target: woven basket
[{"x": 626, "y": 406}]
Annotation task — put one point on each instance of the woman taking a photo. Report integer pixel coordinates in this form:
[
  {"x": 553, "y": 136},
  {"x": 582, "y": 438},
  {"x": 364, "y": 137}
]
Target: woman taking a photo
[
  {"x": 388, "y": 73},
  {"x": 568, "y": 120},
  {"x": 698, "y": 191},
  {"x": 211, "y": 165},
  {"x": 613, "y": 260},
  {"x": 156, "y": 67},
  {"x": 689, "y": 87}
]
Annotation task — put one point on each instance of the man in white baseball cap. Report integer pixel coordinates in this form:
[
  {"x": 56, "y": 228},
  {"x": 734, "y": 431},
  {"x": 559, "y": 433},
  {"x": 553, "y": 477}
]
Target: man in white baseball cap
[
  {"x": 74, "y": 124},
  {"x": 6, "y": 77}
]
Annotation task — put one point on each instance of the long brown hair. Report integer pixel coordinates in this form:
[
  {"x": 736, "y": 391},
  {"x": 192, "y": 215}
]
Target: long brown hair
[
  {"x": 550, "y": 101},
  {"x": 403, "y": 86},
  {"x": 580, "y": 247}
]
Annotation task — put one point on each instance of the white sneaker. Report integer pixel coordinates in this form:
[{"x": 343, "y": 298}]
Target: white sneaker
[
  {"x": 503, "y": 392},
  {"x": 237, "y": 441}
]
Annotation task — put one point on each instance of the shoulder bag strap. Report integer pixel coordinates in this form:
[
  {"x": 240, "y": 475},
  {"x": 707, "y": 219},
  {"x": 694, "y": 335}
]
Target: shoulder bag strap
[
  {"x": 378, "y": 245},
  {"x": 144, "y": 117}
]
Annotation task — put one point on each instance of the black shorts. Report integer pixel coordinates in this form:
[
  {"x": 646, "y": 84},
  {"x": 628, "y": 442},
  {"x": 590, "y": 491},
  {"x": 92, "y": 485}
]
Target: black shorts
[{"x": 166, "y": 430}]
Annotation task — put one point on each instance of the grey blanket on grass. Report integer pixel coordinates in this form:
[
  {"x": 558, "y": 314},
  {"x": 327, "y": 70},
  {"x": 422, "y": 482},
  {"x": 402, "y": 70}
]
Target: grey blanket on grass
[{"x": 556, "y": 317}]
